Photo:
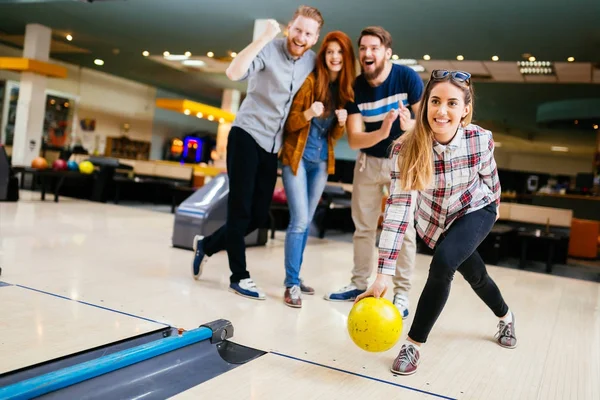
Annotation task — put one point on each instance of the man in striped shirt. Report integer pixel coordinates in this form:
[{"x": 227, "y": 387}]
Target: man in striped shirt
[{"x": 385, "y": 95}]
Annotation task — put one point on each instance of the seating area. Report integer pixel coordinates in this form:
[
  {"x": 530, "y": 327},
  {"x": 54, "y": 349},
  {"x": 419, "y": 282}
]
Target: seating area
[
  {"x": 584, "y": 238},
  {"x": 115, "y": 179}
]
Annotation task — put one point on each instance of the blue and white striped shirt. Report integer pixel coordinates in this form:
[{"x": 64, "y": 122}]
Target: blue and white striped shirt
[{"x": 404, "y": 85}]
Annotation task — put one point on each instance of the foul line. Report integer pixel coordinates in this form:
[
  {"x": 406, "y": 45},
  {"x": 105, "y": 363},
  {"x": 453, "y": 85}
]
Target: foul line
[{"x": 364, "y": 376}]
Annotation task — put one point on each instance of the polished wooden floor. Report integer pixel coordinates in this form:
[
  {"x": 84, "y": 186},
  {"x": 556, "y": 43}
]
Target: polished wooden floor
[{"x": 120, "y": 258}]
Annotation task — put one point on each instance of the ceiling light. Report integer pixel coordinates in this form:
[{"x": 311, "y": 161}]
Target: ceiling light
[
  {"x": 210, "y": 54},
  {"x": 595, "y": 126},
  {"x": 395, "y": 57},
  {"x": 193, "y": 63},
  {"x": 176, "y": 57},
  {"x": 460, "y": 58},
  {"x": 405, "y": 61},
  {"x": 146, "y": 53},
  {"x": 535, "y": 67},
  {"x": 426, "y": 57},
  {"x": 210, "y": 117},
  {"x": 221, "y": 120},
  {"x": 532, "y": 58},
  {"x": 69, "y": 37},
  {"x": 412, "y": 63},
  {"x": 233, "y": 54},
  {"x": 186, "y": 112},
  {"x": 199, "y": 115},
  {"x": 188, "y": 54},
  {"x": 166, "y": 54},
  {"x": 571, "y": 59},
  {"x": 495, "y": 58},
  {"x": 560, "y": 148},
  {"x": 98, "y": 61}
]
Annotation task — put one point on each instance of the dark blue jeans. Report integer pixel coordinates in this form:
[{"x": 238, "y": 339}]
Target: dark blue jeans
[{"x": 457, "y": 251}]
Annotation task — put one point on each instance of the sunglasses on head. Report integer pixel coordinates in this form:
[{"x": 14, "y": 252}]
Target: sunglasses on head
[{"x": 459, "y": 76}]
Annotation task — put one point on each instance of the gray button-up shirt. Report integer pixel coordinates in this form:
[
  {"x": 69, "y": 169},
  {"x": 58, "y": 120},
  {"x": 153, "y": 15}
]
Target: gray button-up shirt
[{"x": 274, "y": 78}]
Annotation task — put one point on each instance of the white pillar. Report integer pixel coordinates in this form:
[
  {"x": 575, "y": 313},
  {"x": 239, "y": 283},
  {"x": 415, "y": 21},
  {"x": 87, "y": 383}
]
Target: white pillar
[{"x": 31, "y": 105}]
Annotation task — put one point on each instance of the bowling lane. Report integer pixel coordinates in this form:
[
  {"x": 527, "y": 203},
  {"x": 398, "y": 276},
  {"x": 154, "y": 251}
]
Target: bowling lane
[
  {"x": 38, "y": 327},
  {"x": 122, "y": 258},
  {"x": 273, "y": 376}
]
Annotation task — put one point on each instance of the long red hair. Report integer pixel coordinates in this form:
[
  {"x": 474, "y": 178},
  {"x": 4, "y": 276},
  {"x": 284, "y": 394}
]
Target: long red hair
[{"x": 345, "y": 77}]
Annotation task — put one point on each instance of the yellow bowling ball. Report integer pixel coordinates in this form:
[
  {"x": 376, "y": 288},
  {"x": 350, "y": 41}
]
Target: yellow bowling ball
[
  {"x": 374, "y": 325},
  {"x": 86, "y": 167}
]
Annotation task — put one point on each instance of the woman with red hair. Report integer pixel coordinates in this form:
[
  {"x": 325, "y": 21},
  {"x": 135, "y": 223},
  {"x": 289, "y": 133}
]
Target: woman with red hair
[{"x": 316, "y": 121}]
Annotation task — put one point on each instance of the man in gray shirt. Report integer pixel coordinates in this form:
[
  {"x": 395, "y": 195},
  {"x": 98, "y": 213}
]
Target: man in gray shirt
[{"x": 275, "y": 69}]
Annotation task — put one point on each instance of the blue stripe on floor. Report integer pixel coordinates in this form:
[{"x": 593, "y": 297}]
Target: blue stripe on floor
[
  {"x": 2, "y": 284},
  {"x": 365, "y": 376},
  {"x": 93, "y": 305}
]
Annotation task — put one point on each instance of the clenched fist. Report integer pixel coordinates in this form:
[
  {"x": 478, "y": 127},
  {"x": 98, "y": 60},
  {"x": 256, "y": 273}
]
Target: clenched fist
[
  {"x": 272, "y": 30},
  {"x": 316, "y": 109},
  {"x": 341, "y": 115}
]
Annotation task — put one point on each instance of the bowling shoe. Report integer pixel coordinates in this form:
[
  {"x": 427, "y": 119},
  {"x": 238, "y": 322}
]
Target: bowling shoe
[
  {"x": 506, "y": 334},
  {"x": 200, "y": 257},
  {"x": 402, "y": 304},
  {"x": 306, "y": 289},
  {"x": 292, "y": 297},
  {"x": 347, "y": 293},
  {"x": 247, "y": 288},
  {"x": 407, "y": 361}
]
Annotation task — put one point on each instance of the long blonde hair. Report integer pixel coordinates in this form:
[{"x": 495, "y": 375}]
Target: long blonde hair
[{"x": 415, "y": 160}]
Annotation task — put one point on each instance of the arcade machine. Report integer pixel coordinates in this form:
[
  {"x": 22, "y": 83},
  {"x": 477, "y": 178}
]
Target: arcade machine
[
  {"x": 173, "y": 149},
  {"x": 192, "y": 149},
  {"x": 204, "y": 212}
]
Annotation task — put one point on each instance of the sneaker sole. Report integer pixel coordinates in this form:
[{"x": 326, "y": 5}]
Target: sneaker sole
[
  {"x": 195, "y": 247},
  {"x": 292, "y": 305},
  {"x": 338, "y": 300},
  {"x": 402, "y": 373},
  {"x": 245, "y": 295}
]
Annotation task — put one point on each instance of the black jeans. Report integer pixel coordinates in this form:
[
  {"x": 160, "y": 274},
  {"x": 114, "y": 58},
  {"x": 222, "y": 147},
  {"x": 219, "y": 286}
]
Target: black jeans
[
  {"x": 252, "y": 175},
  {"x": 457, "y": 250}
]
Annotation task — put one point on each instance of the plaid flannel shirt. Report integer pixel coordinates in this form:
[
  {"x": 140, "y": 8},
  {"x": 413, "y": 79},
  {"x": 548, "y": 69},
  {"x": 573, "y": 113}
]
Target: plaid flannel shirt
[{"x": 465, "y": 180}]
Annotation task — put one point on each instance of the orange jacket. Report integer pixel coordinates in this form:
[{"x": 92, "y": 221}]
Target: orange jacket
[{"x": 296, "y": 129}]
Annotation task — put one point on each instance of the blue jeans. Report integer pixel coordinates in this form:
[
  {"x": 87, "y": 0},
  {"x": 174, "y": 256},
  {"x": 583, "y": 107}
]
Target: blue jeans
[{"x": 303, "y": 192}]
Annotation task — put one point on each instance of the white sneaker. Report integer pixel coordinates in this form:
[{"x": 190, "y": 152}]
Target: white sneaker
[
  {"x": 347, "y": 293},
  {"x": 401, "y": 302},
  {"x": 247, "y": 288}
]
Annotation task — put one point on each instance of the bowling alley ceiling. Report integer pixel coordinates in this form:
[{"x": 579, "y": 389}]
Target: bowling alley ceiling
[
  {"x": 487, "y": 38},
  {"x": 119, "y": 31}
]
